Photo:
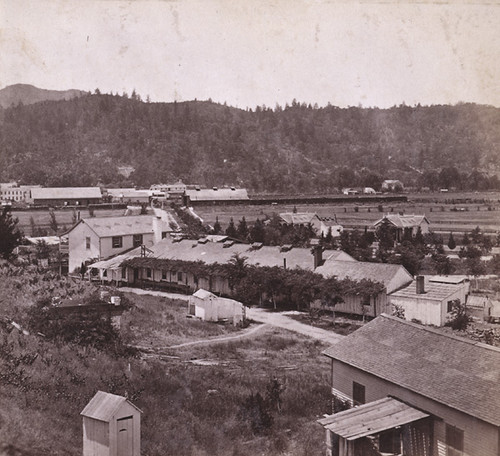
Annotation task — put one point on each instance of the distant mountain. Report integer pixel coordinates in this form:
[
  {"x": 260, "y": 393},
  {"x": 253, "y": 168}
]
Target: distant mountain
[
  {"x": 28, "y": 94},
  {"x": 293, "y": 149}
]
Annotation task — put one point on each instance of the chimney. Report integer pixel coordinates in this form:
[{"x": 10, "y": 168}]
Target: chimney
[
  {"x": 284, "y": 263},
  {"x": 317, "y": 255},
  {"x": 420, "y": 284}
]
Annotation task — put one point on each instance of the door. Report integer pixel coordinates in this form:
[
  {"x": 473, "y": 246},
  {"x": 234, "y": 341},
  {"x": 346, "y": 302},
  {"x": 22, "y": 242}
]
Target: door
[{"x": 125, "y": 439}]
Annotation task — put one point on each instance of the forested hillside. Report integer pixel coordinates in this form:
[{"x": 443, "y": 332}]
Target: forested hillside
[{"x": 293, "y": 149}]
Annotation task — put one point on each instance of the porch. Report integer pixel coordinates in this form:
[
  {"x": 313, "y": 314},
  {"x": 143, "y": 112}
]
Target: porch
[{"x": 386, "y": 427}]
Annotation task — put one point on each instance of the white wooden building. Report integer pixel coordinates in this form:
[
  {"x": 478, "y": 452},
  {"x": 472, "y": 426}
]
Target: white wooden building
[
  {"x": 111, "y": 426},
  {"x": 209, "y": 307}
]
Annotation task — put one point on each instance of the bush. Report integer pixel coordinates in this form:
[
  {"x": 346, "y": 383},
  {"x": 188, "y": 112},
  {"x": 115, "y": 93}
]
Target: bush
[{"x": 460, "y": 319}]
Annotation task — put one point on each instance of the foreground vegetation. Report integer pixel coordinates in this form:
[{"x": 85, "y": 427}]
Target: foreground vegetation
[{"x": 255, "y": 396}]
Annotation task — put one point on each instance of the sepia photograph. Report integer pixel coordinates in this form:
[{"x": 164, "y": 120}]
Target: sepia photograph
[{"x": 249, "y": 228}]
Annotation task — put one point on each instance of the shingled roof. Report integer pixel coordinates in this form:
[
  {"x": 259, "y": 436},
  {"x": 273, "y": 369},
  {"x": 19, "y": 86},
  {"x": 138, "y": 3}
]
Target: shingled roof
[{"x": 454, "y": 371}]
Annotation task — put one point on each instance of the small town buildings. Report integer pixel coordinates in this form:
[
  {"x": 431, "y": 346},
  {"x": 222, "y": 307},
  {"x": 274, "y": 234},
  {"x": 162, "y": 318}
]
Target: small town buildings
[
  {"x": 320, "y": 224},
  {"x": 405, "y": 226},
  {"x": 429, "y": 300},
  {"x": 213, "y": 195},
  {"x": 66, "y": 196},
  {"x": 97, "y": 238},
  {"x": 111, "y": 426},
  {"x": 392, "y": 185},
  {"x": 128, "y": 195},
  {"x": 12, "y": 192},
  {"x": 415, "y": 391},
  {"x": 209, "y": 307}
]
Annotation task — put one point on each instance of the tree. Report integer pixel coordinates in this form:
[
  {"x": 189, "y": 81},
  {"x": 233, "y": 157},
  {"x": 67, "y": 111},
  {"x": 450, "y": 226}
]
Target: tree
[
  {"x": 53, "y": 221},
  {"x": 10, "y": 235},
  {"x": 257, "y": 232},
  {"x": 217, "y": 228},
  {"x": 460, "y": 319},
  {"x": 231, "y": 230},
  {"x": 42, "y": 250},
  {"x": 34, "y": 228},
  {"x": 442, "y": 264},
  {"x": 451, "y": 242},
  {"x": 242, "y": 230}
]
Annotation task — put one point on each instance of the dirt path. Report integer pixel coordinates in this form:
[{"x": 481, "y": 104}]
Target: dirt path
[
  {"x": 282, "y": 321},
  {"x": 260, "y": 315}
]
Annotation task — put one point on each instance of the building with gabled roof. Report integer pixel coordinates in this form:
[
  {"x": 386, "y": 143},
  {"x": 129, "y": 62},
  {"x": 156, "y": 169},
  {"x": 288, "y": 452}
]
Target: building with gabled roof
[
  {"x": 405, "y": 226},
  {"x": 215, "y": 194},
  {"x": 111, "y": 426},
  {"x": 102, "y": 237},
  {"x": 448, "y": 385},
  {"x": 66, "y": 196}
]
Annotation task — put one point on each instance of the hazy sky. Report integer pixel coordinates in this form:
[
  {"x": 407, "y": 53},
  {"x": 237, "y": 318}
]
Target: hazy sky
[{"x": 249, "y": 52}]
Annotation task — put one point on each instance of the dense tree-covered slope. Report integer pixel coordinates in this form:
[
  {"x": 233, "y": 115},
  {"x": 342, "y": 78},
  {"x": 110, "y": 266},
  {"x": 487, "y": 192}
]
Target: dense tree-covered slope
[{"x": 294, "y": 149}]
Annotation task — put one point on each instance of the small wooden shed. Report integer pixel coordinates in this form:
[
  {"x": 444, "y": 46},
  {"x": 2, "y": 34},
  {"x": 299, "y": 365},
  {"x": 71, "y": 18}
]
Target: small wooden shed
[
  {"x": 209, "y": 307},
  {"x": 111, "y": 426}
]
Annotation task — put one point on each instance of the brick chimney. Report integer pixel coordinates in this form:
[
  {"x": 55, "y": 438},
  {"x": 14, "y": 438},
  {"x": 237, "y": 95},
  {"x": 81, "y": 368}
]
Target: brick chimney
[
  {"x": 420, "y": 284},
  {"x": 317, "y": 252}
]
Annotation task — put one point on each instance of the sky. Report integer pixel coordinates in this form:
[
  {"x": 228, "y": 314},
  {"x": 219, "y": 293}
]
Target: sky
[{"x": 257, "y": 52}]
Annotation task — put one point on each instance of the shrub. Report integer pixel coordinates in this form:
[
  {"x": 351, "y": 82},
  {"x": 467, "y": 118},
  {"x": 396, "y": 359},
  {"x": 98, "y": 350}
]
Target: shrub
[{"x": 460, "y": 319}]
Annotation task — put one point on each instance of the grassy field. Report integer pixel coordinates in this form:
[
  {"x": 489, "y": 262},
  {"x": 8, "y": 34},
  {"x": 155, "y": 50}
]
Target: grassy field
[
  {"x": 190, "y": 408},
  {"x": 457, "y": 212}
]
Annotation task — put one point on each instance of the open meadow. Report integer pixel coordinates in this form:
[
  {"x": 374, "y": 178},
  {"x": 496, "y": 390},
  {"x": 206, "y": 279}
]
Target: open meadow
[
  {"x": 258, "y": 395},
  {"x": 456, "y": 212}
]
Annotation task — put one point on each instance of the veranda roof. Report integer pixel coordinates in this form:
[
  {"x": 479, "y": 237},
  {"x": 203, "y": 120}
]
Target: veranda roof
[{"x": 371, "y": 418}]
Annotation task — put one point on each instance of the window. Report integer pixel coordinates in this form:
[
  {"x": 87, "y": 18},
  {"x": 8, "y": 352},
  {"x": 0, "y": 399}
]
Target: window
[
  {"x": 179, "y": 277},
  {"x": 124, "y": 273},
  {"x": 148, "y": 272},
  {"x": 454, "y": 441},
  {"x": 449, "y": 307},
  {"x": 358, "y": 393},
  {"x": 163, "y": 234},
  {"x": 137, "y": 241},
  {"x": 87, "y": 243},
  {"x": 390, "y": 441},
  {"x": 163, "y": 275},
  {"x": 365, "y": 300},
  {"x": 117, "y": 242}
]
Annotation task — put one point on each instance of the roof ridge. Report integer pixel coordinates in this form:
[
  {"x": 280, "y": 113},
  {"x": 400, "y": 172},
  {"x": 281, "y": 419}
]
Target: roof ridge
[{"x": 439, "y": 333}]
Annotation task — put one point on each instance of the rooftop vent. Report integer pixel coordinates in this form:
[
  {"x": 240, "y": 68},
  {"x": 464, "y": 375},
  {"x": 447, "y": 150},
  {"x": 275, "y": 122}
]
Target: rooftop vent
[
  {"x": 202, "y": 241},
  {"x": 286, "y": 248},
  {"x": 227, "y": 244},
  {"x": 257, "y": 245},
  {"x": 214, "y": 189}
]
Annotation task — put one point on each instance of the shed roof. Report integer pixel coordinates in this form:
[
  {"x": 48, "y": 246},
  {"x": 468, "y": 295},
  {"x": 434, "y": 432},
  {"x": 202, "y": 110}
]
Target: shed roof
[
  {"x": 457, "y": 372},
  {"x": 358, "y": 270},
  {"x": 371, "y": 418},
  {"x": 203, "y": 294},
  {"x": 66, "y": 193},
  {"x": 103, "y": 406},
  {"x": 209, "y": 194},
  {"x": 404, "y": 221},
  {"x": 434, "y": 291}
]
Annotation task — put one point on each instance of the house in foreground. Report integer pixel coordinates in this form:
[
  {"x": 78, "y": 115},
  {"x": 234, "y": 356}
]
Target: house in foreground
[{"x": 415, "y": 391}]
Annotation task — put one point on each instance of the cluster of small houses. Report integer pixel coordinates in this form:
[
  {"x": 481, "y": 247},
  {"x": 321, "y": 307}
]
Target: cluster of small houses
[{"x": 398, "y": 387}]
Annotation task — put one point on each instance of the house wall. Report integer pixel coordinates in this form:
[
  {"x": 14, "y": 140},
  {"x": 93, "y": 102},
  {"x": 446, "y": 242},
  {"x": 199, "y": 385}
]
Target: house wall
[
  {"x": 107, "y": 249},
  {"x": 428, "y": 311},
  {"x": 95, "y": 437},
  {"x": 66, "y": 201},
  {"x": 480, "y": 438},
  {"x": 78, "y": 252},
  {"x": 353, "y": 305},
  {"x": 125, "y": 410}
]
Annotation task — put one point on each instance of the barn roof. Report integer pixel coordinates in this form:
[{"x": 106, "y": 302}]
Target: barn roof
[
  {"x": 208, "y": 194},
  {"x": 103, "y": 406},
  {"x": 66, "y": 193},
  {"x": 460, "y": 373}
]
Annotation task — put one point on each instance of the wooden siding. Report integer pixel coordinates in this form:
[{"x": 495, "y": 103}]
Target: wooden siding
[
  {"x": 95, "y": 437},
  {"x": 480, "y": 438}
]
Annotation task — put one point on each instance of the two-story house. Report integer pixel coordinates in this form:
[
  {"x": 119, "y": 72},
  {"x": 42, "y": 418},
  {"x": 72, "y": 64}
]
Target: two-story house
[
  {"x": 413, "y": 391},
  {"x": 102, "y": 237}
]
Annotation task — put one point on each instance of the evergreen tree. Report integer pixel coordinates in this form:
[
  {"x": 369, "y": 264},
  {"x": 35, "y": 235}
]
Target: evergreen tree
[
  {"x": 231, "y": 230},
  {"x": 33, "y": 227},
  {"x": 242, "y": 230},
  {"x": 257, "y": 232},
  {"x": 451, "y": 242},
  {"x": 10, "y": 235},
  {"x": 217, "y": 227},
  {"x": 53, "y": 221}
]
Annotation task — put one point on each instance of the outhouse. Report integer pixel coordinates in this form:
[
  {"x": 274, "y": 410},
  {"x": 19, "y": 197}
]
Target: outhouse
[{"x": 111, "y": 426}]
